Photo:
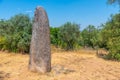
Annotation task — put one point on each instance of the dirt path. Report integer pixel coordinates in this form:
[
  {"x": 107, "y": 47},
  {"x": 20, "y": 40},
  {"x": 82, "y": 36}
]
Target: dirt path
[{"x": 81, "y": 65}]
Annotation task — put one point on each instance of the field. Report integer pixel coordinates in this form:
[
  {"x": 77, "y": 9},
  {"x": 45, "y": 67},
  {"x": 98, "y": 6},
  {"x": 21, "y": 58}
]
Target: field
[{"x": 74, "y": 65}]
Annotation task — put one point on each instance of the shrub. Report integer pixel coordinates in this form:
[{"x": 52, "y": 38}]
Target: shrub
[{"x": 69, "y": 35}]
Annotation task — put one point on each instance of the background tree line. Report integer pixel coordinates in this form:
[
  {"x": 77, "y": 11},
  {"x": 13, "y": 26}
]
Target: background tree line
[
  {"x": 15, "y": 35},
  {"x": 107, "y": 36}
]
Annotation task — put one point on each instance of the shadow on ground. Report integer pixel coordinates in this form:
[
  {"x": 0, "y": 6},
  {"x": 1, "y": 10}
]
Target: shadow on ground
[
  {"x": 101, "y": 56},
  {"x": 59, "y": 69},
  {"x": 4, "y": 75},
  {"x": 1, "y": 75}
]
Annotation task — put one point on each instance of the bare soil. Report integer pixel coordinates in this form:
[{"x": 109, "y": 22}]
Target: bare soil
[{"x": 78, "y": 65}]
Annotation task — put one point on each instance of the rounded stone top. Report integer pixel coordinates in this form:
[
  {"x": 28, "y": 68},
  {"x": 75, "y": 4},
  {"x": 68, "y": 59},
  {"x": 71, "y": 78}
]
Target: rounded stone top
[
  {"x": 39, "y": 7},
  {"x": 40, "y": 15}
]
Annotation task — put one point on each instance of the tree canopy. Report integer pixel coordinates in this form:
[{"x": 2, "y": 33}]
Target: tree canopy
[
  {"x": 15, "y": 33},
  {"x": 114, "y": 1}
]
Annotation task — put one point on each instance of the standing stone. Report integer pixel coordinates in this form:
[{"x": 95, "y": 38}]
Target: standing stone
[{"x": 40, "y": 53}]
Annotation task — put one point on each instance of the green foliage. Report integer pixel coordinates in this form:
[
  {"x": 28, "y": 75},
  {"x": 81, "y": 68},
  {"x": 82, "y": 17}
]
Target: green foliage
[
  {"x": 112, "y": 36},
  {"x": 69, "y": 35},
  {"x": 90, "y": 36},
  {"x": 15, "y": 33},
  {"x": 54, "y": 34}
]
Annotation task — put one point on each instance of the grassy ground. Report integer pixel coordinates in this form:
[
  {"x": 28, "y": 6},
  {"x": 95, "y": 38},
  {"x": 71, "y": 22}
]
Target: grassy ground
[{"x": 78, "y": 65}]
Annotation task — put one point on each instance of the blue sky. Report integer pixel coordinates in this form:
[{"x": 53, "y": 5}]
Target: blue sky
[{"x": 84, "y": 12}]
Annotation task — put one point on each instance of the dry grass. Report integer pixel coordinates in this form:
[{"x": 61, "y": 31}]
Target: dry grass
[{"x": 76, "y": 65}]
